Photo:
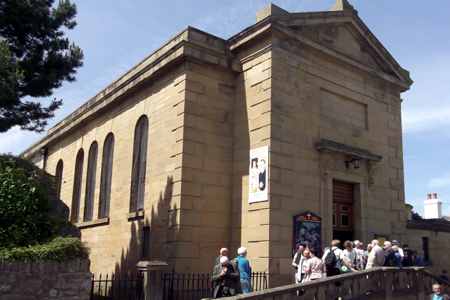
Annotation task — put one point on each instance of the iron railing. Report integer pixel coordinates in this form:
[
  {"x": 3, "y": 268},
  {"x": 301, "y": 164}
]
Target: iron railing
[
  {"x": 118, "y": 288},
  {"x": 199, "y": 286}
]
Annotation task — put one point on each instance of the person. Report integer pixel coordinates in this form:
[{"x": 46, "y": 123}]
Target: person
[
  {"x": 360, "y": 262},
  {"x": 398, "y": 257},
  {"x": 303, "y": 265},
  {"x": 348, "y": 256},
  {"x": 437, "y": 293},
  {"x": 262, "y": 175},
  {"x": 400, "y": 250},
  {"x": 389, "y": 255},
  {"x": 443, "y": 275},
  {"x": 418, "y": 260},
  {"x": 315, "y": 268},
  {"x": 376, "y": 256},
  {"x": 298, "y": 260},
  {"x": 333, "y": 270},
  {"x": 245, "y": 270},
  {"x": 255, "y": 175},
  {"x": 223, "y": 252},
  {"x": 408, "y": 256},
  {"x": 226, "y": 278},
  {"x": 366, "y": 254}
]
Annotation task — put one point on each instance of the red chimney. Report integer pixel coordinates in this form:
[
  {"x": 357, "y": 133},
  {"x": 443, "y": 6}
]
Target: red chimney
[
  {"x": 435, "y": 196},
  {"x": 429, "y": 196}
]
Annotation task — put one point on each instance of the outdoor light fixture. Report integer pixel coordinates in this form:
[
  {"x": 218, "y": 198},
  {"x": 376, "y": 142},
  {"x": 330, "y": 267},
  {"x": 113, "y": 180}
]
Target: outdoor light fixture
[{"x": 356, "y": 162}]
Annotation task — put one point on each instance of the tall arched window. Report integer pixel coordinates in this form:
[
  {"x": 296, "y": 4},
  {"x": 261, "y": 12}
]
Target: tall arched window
[
  {"x": 90, "y": 183},
  {"x": 105, "y": 183},
  {"x": 58, "y": 175},
  {"x": 139, "y": 165},
  {"x": 76, "y": 196}
]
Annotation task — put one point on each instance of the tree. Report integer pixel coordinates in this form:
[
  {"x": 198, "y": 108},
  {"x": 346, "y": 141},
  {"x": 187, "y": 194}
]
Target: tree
[{"x": 35, "y": 59}]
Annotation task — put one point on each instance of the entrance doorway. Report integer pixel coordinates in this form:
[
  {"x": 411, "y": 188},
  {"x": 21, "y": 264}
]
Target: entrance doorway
[{"x": 343, "y": 216}]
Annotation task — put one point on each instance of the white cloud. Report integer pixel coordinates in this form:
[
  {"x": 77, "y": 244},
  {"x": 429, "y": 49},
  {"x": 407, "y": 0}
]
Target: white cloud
[
  {"x": 16, "y": 140},
  {"x": 427, "y": 105},
  {"x": 442, "y": 181}
]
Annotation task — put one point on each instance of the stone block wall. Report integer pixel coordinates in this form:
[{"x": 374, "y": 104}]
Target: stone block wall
[
  {"x": 438, "y": 245},
  {"x": 70, "y": 280}
]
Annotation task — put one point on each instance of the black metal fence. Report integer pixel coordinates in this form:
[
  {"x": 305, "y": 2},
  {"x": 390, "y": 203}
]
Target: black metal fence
[
  {"x": 117, "y": 288},
  {"x": 198, "y": 286}
]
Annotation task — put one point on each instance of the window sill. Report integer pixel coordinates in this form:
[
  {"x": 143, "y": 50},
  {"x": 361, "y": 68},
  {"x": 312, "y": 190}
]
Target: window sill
[
  {"x": 98, "y": 222},
  {"x": 135, "y": 215}
]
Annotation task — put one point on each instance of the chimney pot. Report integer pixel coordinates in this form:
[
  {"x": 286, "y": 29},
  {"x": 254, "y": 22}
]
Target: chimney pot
[
  {"x": 435, "y": 196},
  {"x": 429, "y": 196}
]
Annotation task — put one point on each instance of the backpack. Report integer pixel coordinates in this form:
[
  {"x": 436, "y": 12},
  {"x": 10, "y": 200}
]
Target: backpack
[
  {"x": 330, "y": 259},
  {"x": 297, "y": 260}
]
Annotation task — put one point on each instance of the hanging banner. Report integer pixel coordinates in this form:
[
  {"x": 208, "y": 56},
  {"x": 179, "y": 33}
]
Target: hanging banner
[
  {"x": 258, "y": 175},
  {"x": 307, "y": 230}
]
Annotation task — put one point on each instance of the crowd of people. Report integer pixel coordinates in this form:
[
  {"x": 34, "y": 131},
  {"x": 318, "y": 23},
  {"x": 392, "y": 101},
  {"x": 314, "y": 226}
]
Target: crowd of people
[
  {"x": 352, "y": 258},
  {"x": 233, "y": 277}
]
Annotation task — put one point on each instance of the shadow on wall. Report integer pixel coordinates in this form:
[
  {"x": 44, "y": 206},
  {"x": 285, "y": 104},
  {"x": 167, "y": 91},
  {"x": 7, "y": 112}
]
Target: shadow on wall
[
  {"x": 63, "y": 211},
  {"x": 160, "y": 228}
]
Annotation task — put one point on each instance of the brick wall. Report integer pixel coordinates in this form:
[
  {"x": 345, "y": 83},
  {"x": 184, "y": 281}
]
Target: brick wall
[{"x": 43, "y": 280}]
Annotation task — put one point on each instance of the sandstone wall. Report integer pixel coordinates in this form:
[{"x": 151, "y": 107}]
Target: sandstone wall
[
  {"x": 44, "y": 280},
  {"x": 438, "y": 245}
]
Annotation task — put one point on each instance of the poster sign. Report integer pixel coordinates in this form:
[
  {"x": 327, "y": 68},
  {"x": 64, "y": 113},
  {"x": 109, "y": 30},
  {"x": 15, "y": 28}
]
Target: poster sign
[
  {"x": 307, "y": 230},
  {"x": 258, "y": 175}
]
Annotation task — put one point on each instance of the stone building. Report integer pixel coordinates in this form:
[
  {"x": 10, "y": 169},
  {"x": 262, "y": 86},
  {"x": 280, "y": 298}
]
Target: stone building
[{"x": 156, "y": 165}]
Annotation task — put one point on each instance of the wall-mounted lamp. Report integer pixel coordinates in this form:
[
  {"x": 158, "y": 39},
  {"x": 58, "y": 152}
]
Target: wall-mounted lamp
[{"x": 356, "y": 162}]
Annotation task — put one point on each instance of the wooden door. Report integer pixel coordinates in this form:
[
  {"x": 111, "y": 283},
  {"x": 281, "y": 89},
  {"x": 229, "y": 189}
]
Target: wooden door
[{"x": 343, "y": 199}]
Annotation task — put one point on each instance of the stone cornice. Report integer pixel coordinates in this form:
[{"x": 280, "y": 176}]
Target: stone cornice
[
  {"x": 345, "y": 149},
  {"x": 378, "y": 51},
  {"x": 190, "y": 43},
  {"x": 330, "y": 150},
  {"x": 287, "y": 24}
]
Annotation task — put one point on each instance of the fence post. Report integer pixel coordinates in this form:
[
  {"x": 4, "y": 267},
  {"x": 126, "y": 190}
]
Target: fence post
[{"x": 153, "y": 272}]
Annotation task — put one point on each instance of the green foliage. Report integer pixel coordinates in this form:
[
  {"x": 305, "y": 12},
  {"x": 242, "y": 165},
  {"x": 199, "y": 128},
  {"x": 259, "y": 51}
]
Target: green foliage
[
  {"x": 35, "y": 59},
  {"x": 59, "y": 249},
  {"x": 25, "y": 210},
  {"x": 10, "y": 74}
]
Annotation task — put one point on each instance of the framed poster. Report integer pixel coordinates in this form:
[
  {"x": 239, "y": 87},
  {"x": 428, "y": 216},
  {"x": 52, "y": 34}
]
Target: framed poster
[
  {"x": 258, "y": 179},
  {"x": 381, "y": 238},
  {"x": 308, "y": 230}
]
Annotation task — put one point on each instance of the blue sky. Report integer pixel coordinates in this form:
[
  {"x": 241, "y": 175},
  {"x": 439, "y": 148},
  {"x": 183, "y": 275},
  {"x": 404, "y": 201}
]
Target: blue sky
[{"x": 115, "y": 35}]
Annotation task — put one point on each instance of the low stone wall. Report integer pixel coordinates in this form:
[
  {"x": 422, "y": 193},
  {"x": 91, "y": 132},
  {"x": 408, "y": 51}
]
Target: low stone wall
[
  {"x": 384, "y": 283},
  {"x": 70, "y": 280}
]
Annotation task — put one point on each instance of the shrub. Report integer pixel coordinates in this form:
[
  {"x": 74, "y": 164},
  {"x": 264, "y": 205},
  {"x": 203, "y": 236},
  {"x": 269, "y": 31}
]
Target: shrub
[
  {"x": 59, "y": 249},
  {"x": 25, "y": 210}
]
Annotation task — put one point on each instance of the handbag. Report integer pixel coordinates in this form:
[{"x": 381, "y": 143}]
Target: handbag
[
  {"x": 344, "y": 269},
  {"x": 307, "y": 278}
]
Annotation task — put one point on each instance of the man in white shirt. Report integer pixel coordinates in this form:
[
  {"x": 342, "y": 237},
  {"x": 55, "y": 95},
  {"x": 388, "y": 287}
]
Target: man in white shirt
[
  {"x": 331, "y": 271},
  {"x": 296, "y": 262},
  {"x": 360, "y": 262},
  {"x": 376, "y": 256},
  {"x": 303, "y": 264}
]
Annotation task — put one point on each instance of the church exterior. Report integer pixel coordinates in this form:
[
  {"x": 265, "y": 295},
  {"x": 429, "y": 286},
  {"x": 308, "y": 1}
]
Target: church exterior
[{"x": 159, "y": 164}]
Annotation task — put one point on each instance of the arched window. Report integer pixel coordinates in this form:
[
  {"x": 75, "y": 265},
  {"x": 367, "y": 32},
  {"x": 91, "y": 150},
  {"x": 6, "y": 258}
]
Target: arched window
[
  {"x": 90, "y": 183},
  {"x": 76, "y": 196},
  {"x": 58, "y": 175},
  {"x": 105, "y": 183},
  {"x": 139, "y": 165}
]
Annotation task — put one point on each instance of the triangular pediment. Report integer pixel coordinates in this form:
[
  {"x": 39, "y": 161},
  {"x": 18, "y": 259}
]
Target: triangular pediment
[
  {"x": 344, "y": 39},
  {"x": 344, "y": 33}
]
